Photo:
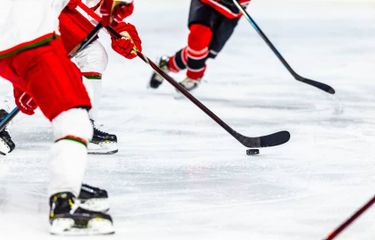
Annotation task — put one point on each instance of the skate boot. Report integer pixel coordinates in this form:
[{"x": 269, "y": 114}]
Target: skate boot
[
  {"x": 93, "y": 198},
  {"x": 156, "y": 80},
  {"x": 102, "y": 142},
  {"x": 68, "y": 218},
  {"x": 6, "y": 143},
  {"x": 190, "y": 84}
]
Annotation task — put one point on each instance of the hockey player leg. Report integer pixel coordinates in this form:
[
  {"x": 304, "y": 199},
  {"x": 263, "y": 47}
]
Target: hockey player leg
[
  {"x": 55, "y": 85},
  {"x": 221, "y": 34},
  {"x": 197, "y": 53},
  {"x": 92, "y": 62},
  {"x": 72, "y": 130},
  {"x": 199, "y": 13}
]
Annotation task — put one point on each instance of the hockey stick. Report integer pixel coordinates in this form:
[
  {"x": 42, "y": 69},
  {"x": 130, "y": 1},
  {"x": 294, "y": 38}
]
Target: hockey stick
[
  {"x": 250, "y": 142},
  {"x": 86, "y": 41},
  {"x": 82, "y": 45},
  {"x": 344, "y": 225},
  {"x": 321, "y": 86},
  {"x": 8, "y": 118},
  {"x": 274, "y": 139}
]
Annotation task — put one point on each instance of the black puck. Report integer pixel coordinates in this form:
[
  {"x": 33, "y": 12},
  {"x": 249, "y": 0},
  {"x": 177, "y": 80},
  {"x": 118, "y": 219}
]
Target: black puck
[{"x": 252, "y": 152}]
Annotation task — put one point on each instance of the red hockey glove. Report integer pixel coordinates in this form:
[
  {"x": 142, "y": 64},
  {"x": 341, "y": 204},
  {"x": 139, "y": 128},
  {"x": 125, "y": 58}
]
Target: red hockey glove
[
  {"x": 24, "y": 101},
  {"x": 110, "y": 8},
  {"x": 122, "y": 11},
  {"x": 129, "y": 43},
  {"x": 73, "y": 4}
]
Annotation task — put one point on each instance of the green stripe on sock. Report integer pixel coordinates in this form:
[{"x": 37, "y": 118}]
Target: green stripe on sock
[
  {"x": 93, "y": 77},
  {"x": 73, "y": 140}
]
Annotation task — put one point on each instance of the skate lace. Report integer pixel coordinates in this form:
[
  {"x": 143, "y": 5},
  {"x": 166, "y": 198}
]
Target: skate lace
[{"x": 98, "y": 131}]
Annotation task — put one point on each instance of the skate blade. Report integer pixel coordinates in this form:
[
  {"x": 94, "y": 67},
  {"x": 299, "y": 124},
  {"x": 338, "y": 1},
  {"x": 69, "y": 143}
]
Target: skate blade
[
  {"x": 102, "y": 148},
  {"x": 95, "y": 204},
  {"x": 96, "y": 226}
]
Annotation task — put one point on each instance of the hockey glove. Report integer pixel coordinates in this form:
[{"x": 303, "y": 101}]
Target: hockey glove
[
  {"x": 130, "y": 43},
  {"x": 24, "y": 101},
  {"x": 109, "y": 8},
  {"x": 121, "y": 12}
]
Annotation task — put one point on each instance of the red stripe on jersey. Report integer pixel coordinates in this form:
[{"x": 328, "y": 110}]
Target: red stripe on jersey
[{"x": 223, "y": 9}]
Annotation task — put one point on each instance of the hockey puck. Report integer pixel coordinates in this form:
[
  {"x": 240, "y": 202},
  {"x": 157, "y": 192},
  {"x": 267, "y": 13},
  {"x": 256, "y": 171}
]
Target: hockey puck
[{"x": 252, "y": 152}]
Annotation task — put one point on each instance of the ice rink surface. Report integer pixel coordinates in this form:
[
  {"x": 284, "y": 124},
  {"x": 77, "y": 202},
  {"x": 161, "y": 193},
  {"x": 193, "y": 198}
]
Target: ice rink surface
[{"x": 178, "y": 175}]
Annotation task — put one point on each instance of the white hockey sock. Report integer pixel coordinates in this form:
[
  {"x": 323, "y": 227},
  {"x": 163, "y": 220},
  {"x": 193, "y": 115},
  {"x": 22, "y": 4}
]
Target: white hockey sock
[
  {"x": 72, "y": 130},
  {"x": 94, "y": 89},
  {"x": 67, "y": 167}
]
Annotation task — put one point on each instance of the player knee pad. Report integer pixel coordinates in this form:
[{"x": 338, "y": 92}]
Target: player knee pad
[
  {"x": 199, "y": 38},
  {"x": 73, "y": 124}
]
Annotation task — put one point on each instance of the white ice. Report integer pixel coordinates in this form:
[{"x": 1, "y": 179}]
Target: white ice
[{"x": 178, "y": 175}]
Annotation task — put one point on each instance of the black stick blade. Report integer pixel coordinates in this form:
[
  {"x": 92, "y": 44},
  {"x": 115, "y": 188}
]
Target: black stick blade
[
  {"x": 320, "y": 85},
  {"x": 271, "y": 140}
]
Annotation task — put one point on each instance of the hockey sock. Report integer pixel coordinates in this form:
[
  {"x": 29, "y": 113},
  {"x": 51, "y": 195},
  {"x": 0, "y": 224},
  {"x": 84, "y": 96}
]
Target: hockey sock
[
  {"x": 72, "y": 131},
  {"x": 178, "y": 62},
  {"x": 198, "y": 49},
  {"x": 93, "y": 84}
]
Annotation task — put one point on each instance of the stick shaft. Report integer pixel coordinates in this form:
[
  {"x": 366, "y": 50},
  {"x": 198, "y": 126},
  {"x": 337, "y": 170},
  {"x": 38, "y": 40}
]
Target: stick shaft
[
  {"x": 319, "y": 85},
  {"x": 350, "y": 220},
  {"x": 8, "y": 118}
]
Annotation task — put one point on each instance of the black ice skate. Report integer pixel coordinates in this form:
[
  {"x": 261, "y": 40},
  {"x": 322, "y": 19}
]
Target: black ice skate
[
  {"x": 68, "y": 218},
  {"x": 6, "y": 143},
  {"x": 93, "y": 198},
  {"x": 102, "y": 143},
  {"x": 156, "y": 80}
]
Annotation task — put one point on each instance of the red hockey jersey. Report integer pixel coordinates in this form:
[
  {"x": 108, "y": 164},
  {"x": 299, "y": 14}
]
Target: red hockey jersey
[{"x": 229, "y": 12}]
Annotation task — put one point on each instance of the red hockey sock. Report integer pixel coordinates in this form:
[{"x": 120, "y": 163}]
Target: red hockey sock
[
  {"x": 178, "y": 62},
  {"x": 197, "y": 51}
]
